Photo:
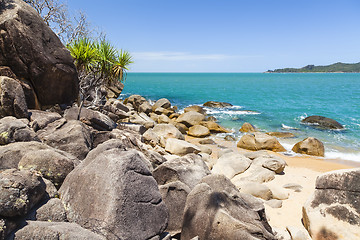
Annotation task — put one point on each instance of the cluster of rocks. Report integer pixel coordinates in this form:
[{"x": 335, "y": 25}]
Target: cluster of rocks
[{"x": 255, "y": 141}]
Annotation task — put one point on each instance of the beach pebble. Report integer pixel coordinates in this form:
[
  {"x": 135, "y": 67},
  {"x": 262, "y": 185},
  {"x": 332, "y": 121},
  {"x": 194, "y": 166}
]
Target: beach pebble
[
  {"x": 294, "y": 186},
  {"x": 274, "y": 203}
]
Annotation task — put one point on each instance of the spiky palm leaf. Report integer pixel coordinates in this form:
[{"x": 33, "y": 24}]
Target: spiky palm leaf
[
  {"x": 123, "y": 60},
  {"x": 84, "y": 53}
]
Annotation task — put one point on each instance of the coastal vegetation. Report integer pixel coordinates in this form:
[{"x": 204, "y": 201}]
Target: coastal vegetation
[{"x": 336, "y": 67}]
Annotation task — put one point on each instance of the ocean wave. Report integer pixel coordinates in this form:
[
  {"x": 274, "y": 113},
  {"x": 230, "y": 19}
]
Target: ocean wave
[
  {"x": 283, "y": 126},
  {"x": 344, "y": 156},
  {"x": 231, "y": 112}
]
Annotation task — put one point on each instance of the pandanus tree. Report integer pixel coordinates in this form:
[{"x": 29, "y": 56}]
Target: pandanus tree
[{"x": 99, "y": 65}]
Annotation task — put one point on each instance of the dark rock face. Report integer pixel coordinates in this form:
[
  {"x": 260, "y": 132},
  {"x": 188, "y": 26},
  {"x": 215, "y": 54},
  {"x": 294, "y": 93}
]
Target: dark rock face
[
  {"x": 216, "y": 210},
  {"x": 55, "y": 230},
  {"x": 40, "y": 119},
  {"x": 52, "y": 211},
  {"x": 11, "y": 154},
  {"x": 93, "y": 118},
  {"x": 20, "y": 191},
  {"x": 333, "y": 209},
  {"x": 322, "y": 122},
  {"x": 189, "y": 169},
  {"x": 132, "y": 209},
  {"x": 35, "y": 53},
  {"x": 15, "y": 130},
  {"x": 214, "y": 104},
  {"x": 12, "y": 98},
  {"x": 72, "y": 137}
]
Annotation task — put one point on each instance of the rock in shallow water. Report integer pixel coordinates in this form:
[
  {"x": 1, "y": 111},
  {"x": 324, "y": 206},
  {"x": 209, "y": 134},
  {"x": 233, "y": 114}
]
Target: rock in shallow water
[{"x": 322, "y": 122}]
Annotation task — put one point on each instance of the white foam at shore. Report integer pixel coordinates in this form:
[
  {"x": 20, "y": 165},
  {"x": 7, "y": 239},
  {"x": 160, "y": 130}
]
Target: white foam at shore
[{"x": 343, "y": 156}]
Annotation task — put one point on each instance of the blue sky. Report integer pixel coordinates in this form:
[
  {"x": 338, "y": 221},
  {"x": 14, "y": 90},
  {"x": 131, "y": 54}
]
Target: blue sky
[{"x": 228, "y": 35}]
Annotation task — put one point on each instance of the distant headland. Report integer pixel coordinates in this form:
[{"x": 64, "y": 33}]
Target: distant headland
[{"x": 336, "y": 67}]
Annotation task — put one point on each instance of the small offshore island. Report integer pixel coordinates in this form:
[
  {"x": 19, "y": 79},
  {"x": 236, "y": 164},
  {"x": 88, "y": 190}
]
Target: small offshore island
[{"x": 333, "y": 68}]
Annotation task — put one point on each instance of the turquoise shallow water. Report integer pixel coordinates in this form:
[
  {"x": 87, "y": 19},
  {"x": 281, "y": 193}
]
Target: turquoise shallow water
[{"x": 271, "y": 102}]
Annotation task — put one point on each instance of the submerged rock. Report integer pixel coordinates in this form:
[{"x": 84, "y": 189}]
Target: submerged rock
[
  {"x": 214, "y": 104},
  {"x": 322, "y": 122}
]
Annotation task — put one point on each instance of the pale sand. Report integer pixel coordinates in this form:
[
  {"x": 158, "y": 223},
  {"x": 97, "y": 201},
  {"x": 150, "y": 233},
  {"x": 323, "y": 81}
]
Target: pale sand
[{"x": 301, "y": 170}]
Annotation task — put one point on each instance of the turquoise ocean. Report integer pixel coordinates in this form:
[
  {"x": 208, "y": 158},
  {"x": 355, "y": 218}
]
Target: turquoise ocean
[{"x": 270, "y": 101}]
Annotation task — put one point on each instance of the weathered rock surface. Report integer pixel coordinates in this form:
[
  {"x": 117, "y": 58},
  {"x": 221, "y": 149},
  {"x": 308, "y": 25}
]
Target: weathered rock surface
[
  {"x": 333, "y": 211},
  {"x": 231, "y": 164},
  {"x": 281, "y": 134},
  {"x": 195, "y": 108},
  {"x": 310, "y": 146},
  {"x": 214, "y": 104},
  {"x": 55, "y": 230},
  {"x": 52, "y": 165},
  {"x": 11, "y": 154},
  {"x": 216, "y": 210},
  {"x": 207, "y": 141},
  {"x": 40, "y": 119},
  {"x": 15, "y": 130},
  {"x": 12, "y": 98},
  {"x": 167, "y": 131},
  {"x": 174, "y": 195},
  {"x": 247, "y": 127},
  {"x": 36, "y": 54},
  {"x": 256, "y": 189},
  {"x": 214, "y": 127},
  {"x": 180, "y": 147},
  {"x": 142, "y": 118},
  {"x": 90, "y": 117},
  {"x": 72, "y": 137},
  {"x": 122, "y": 178},
  {"x": 19, "y": 192},
  {"x": 322, "y": 122},
  {"x": 163, "y": 103},
  {"x": 52, "y": 211},
  {"x": 190, "y": 118},
  {"x": 198, "y": 131},
  {"x": 189, "y": 169},
  {"x": 260, "y": 141}
]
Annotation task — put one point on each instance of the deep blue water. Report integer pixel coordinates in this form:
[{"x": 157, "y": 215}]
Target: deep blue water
[{"x": 271, "y": 102}]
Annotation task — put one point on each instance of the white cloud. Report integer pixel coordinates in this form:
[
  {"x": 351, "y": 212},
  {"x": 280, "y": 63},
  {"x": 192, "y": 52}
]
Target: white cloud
[{"x": 178, "y": 56}]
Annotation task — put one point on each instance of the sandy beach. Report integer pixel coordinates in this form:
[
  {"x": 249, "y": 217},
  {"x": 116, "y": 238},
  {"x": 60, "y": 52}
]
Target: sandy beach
[{"x": 302, "y": 170}]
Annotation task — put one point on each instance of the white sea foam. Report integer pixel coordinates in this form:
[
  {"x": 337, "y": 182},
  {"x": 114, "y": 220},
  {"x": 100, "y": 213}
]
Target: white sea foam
[
  {"x": 344, "y": 156},
  {"x": 283, "y": 126},
  {"x": 231, "y": 112}
]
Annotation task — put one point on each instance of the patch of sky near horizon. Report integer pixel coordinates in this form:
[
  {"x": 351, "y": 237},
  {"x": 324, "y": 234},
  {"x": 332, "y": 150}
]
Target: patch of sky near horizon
[{"x": 229, "y": 35}]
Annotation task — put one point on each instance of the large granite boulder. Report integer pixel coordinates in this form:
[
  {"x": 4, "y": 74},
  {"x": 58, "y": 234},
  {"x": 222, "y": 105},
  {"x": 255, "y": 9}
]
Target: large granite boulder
[
  {"x": 174, "y": 195},
  {"x": 15, "y": 130},
  {"x": 19, "y": 192},
  {"x": 53, "y": 165},
  {"x": 72, "y": 137},
  {"x": 215, "y": 104},
  {"x": 113, "y": 193},
  {"x": 55, "y": 230},
  {"x": 198, "y": 131},
  {"x": 34, "y": 53},
  {"x": 90, "y": 117},
  {"x": 190, "y": 118},
  {"x": 195, "y": 108},
  {"x": 40, "y": 119},
  {"x": 161, "y": 103},
  {"x": 310, "y": 146},
  {"x": 260, "y": 141},
  {"x": 322, "y": 122},
  {"x": 11, "y": 154},
  {"x": 167, "y": 131},
  {"x": 333, "y": 211},
  {"x": 135, "y": 101},
  {"x": 180, "y": 147},
  {"x": 52, "y": 211},
  {"x": 189, "y": 169},
  {"x": 231, "y": 164},
  {"x": 215, "y": 209},
  {"x": 12, "y": 98},
  {"x": 247, "y": 127}
]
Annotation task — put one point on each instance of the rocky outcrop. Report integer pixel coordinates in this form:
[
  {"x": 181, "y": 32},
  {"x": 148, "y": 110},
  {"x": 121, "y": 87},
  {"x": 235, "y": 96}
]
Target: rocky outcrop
[
  {"x": 20, "y": 191},
  {"x": 195, "y": 108},
  {"x": 163, "y": 103},
  {"x": 260, "y": 141},
  {"x": 52, "y": 211},
  {"x": 55, "y": 230},
  {"x": 122, "y": 178},
  {"x": 214, "y": 127},
  {"x": 15, "y": 130},
  {"x": 34, "y": 53},
  {"x": 72, "y": 137},
  {"x": 333, "y": 211},
  {"x": 214, "y": 104},
  {"x": 189, "y": 169},
  {"x": 215, "y": 209},
  {"x": 40, "y": 119},
  {"x": 190, "y": 118},
  {"x": 167, "y": 131},
  {"x": 247, "y": 127},
  {"x": 310, "y": 146},
  {"x": 180, "y": 147},
  {"x": 198, "y": 131},
  {"x": 12, "y": 98},
  {"x": 322, "y": 122}
]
